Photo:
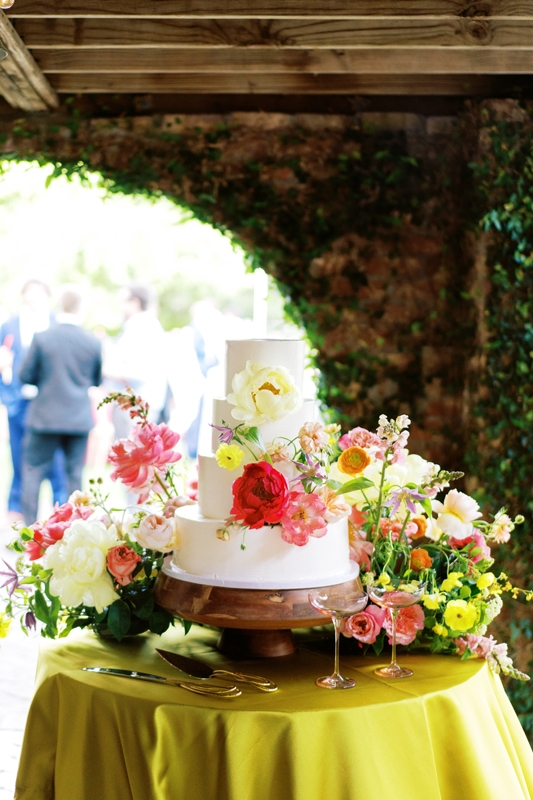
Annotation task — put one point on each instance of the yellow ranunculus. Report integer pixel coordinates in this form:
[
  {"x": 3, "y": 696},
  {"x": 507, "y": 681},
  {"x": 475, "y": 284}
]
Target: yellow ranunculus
[
  {"x": 229, "y": 456},
  {"x": 460, "y": 615},
  {"x": 486, "y": 580},
  {"x": 433, "y": 601},
  {"x": 5, "y": 624},
  {"x": 452, "y": 581},
  {"x": 440, "y": 630}
]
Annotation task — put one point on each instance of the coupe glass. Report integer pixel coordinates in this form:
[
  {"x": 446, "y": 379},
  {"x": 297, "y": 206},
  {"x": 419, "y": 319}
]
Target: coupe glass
[
  {"x": 337, "y": 603},
  {"x": 394, "y": 597}
]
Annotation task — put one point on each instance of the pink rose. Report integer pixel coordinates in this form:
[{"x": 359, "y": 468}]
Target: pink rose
[
  {"x": 51, "y": 531},
  {"x": 121, "y": 563},
  {"x": 474, "y": 542},
  {"x": 366, "y": 625},
  {"x": 359, "y": 437},
  {"x": 410, "y": 620},
  {"x": 156, "y": 533}
]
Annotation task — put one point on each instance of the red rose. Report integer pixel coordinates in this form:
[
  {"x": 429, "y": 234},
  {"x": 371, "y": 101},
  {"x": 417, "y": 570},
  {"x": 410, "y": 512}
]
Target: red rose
[
  {"x": 260, "y": 495},
  {"x": 121, "y": 562}
]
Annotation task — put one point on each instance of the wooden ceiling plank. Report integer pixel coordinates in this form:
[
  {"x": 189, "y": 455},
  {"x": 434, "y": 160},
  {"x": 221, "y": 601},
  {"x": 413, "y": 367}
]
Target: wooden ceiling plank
[
  {"x": 23, "y": 84},
  {"x": 400, "y": 32},
  {"x": 255, "y": 9},
  {"x": 278, "y": 84},
  {"x": 434, "y": 61}
]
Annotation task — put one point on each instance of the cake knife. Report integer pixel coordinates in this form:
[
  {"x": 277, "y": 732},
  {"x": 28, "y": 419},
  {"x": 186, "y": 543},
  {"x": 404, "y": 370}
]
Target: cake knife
[
  {"x": 191, "y": 686},
  {"x": 198, "y": 669}
]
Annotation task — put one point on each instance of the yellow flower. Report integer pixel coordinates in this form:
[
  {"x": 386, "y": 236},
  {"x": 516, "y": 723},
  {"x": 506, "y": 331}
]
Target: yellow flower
[
  {"x": 229, "y": 456},
  {"x": 383, "y": 580},
  {"x": 433, "y": 601},
  {"x": 440, "y": 630},
  {"x": 5, "y": 624},
  {"x": 263, "y": 394},
  {"x": 486, "y": 580},
  {"x": 460, "y": 615},
  {"x": 451, "y": 581}
]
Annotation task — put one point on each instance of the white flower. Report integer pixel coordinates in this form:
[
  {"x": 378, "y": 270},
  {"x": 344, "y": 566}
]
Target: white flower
[
  {"x": 455, "y": 515},
  {"x": 433, "y": 531},
  {"x": 502, "y": 527},
  {"x": 263, "y": 394},
  {"x": 78, "y": 562},
  {"x": 156, "y": 532},
  {"x": 396, "y": 477}
]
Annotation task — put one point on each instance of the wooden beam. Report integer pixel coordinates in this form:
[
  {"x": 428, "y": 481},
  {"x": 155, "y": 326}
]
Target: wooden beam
[
  {"x": 399, "y": 32},
  {"x": 366, "y": 61},
  {"x": 259, "y": 9},
  {"x": 21, "y": 82},
  {"x": 465, "y": 85}
]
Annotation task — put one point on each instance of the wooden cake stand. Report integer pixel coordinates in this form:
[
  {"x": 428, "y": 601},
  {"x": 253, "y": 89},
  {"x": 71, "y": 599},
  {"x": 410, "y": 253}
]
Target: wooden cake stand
[{"x": 255, "y": 622}]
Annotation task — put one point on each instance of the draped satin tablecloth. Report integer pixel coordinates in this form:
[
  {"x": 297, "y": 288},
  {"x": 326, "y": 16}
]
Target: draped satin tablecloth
[{"x": 447, "y": 733}]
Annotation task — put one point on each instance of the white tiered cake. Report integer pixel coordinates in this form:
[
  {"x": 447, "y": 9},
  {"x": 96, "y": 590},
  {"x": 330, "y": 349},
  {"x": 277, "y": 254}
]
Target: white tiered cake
[{"x": 254, "y": 558}]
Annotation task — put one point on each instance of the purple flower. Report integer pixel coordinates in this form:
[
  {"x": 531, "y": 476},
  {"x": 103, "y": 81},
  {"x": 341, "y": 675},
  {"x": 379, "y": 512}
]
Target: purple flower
[
  {"x": 12, "y": 578},
  {"x": 407, "y": 496},
  {"x": 29, "y": 621},
  {"x": 310, "y": 470},
  {"x": 226, "y": 433}
]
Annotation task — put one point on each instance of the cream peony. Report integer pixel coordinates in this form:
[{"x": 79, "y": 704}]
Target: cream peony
[
  {"x": 456, "y": 514},
  {"x": 156, "y": 532},
  {"x": 78, "y": 562},
  {"x": 397, "y": 475},
  {"x": 263, "y": 394}
]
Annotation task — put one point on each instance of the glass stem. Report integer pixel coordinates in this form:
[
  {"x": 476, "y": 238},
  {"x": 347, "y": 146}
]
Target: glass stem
[
  {"x": 394, "y": 617},
  {"x": 337, "y": 626}
]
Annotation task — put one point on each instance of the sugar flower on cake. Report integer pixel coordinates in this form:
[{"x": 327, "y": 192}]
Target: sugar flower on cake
[
  {"x": 263, "y": 394},
  {"x": 303, "y": 517},
  {"x": 78, "y": 562},
  {"x": 260, "y": 495}
]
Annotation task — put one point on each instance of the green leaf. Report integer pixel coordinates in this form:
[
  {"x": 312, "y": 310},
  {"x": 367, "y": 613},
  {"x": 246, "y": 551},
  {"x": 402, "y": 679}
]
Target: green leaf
[
  {"x": 118, "y": 619},
  {"x": 40, "y": 607},
  {"x": 355, "y": 486},
  {"x": 331, "y": 484},
  {"x": 160, "y": 621},
  {"x": 253, "y": 435},
  {"x": 426, "y": 505}
]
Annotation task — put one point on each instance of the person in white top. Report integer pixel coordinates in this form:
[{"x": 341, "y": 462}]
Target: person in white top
[
  {"x": 16, "y": 335},
  {"x": 138, "y": 357}
]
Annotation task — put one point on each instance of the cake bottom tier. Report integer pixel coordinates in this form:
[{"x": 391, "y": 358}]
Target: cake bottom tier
[{"x": 266, "y": 562}]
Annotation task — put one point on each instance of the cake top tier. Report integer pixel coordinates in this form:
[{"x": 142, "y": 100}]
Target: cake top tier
[{"x": 288, "y": 353}]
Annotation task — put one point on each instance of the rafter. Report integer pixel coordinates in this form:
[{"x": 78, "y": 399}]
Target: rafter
[{"x": 21, "y": 81}]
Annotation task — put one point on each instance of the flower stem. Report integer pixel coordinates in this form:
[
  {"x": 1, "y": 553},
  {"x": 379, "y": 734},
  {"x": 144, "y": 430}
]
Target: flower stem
[{"x": 161, "y": 483}]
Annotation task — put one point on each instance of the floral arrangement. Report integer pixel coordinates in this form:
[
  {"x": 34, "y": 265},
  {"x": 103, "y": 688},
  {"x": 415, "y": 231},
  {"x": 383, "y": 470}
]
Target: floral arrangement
[
  {"x": 92, "y": 565},
  {"x": 398, "y": 527}
]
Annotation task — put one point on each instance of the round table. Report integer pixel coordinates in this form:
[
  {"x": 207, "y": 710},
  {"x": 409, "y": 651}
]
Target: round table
[{"x": 447, "y": 733}]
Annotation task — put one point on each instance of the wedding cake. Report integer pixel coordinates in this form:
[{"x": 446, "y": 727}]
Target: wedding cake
[{"x": 217, "y": 546}]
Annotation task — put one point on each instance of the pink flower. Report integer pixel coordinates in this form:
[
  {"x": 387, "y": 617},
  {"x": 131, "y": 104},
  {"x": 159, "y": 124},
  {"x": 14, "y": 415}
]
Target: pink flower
[
  {"x": 302, "y": 518},
  {"x": 313, "y": 437},
  {"x": 121, "y": 562},
  {"x": 359, "y": 437},
  {"x": 174, "y": 503},
  {"x": 473, "y": 542},
  {"x": 156, "y": 532},
  {"x": 360, "y": 549},
  {"x": 147, "y": 448},
  {"x": 410, "y": 620},
  {"x": 51, "y": 531},
  {"x": 336, "y": 506},
  {"x": 480, "y": 646},
  {"x": 366, "y": 625},
  {"x": 394, "y": 527}
]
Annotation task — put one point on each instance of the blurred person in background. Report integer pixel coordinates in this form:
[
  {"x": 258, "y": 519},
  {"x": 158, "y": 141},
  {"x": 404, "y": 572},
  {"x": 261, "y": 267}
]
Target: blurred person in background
[
  {"x": 137, "y": 358},
  {"x": 63, "y": 362},
  {"x": 16, "y": 335}
]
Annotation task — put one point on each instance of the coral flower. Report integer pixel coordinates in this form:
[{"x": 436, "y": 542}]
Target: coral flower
[
  {"x": 420, "y": 559},
  {"x": 422, "y": 526},
  {"x": 303, "y": 517},
  {"x": 366, "y": 625},
  {"x": 359, "y": 437},
  {"x": 353, "y": 461},
  {"x": 410, "y": 620},
  {"x": 147, "y": 448}
]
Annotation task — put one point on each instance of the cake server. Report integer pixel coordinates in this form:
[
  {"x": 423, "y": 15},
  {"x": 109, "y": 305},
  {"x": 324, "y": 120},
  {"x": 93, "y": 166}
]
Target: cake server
[
  {"x": 197, "y": 669},
  {"x": 190, "y": 686}
]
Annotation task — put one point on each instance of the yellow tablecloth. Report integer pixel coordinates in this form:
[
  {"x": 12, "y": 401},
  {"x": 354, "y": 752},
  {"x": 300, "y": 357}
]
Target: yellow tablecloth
[{"x": 448, "y": 733}]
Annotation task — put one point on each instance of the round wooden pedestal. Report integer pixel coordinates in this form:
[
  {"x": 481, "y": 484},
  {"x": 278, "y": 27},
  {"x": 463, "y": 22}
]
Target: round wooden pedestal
[{"x": 256, "y": 622}]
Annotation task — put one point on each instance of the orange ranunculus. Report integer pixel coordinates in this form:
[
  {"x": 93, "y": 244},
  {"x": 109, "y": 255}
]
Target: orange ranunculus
[
  {"x": 420, "y": 559},
  {"x": 422, "y": 525},
  {"x": 353, "y": 461}
]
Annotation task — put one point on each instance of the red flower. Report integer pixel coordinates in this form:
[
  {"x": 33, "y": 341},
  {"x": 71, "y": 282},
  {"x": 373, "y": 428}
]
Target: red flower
[
  {"x": 121, "y": 562},
  {"x": 260, "y": 495},
  {"x": 48, "y": 533}
]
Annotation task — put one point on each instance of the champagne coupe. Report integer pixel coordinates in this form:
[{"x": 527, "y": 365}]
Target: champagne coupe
[
  {"x": 395, "y": 596},
  {"x": 337, "y": 602}
]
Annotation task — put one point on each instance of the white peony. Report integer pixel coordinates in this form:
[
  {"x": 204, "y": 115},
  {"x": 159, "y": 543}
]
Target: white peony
[
  {"x": 78, "y": 562},
  {"x": 263, "y": 394},
  {"x": 397, "y": 476},
  {"x": 456, "y": 514}
]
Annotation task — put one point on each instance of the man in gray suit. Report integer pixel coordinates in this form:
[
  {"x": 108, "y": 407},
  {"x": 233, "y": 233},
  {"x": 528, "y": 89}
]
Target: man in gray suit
[{"x": 63, "y": 362}]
